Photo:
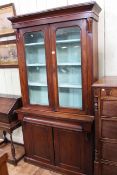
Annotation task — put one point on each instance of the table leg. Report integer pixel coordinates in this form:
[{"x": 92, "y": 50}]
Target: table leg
[
  {"x": 5, "y": 138},
  {"x": 13, "y": 149}
]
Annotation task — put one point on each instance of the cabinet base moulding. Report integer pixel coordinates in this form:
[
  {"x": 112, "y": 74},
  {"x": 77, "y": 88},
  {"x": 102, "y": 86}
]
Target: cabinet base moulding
[{"x": 50, "y": 167}]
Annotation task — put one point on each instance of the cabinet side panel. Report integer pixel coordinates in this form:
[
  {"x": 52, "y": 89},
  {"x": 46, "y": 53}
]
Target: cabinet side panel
[
  {"x": 95, "y": 51},
  {"x": 92, "y": 57}
]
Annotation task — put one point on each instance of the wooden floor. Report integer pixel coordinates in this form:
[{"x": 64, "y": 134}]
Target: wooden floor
[
  {"x": 19, "y": 150},
  {"x": 24, "y": 168}
]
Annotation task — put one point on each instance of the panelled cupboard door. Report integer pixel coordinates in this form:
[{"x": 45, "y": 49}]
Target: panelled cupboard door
[
  {"x": 68, "y": 40},
  {"x": 70, "y": 150},
  {"x": 35, "y": 66},
  {"x": 38, "y": 142}
]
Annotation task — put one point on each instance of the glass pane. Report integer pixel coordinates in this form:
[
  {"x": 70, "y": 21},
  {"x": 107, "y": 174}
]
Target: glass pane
[
  {"x": 36, "y": 68},
  {"x": 70, "y": 97},
  {"x": 68, "y": 46}
]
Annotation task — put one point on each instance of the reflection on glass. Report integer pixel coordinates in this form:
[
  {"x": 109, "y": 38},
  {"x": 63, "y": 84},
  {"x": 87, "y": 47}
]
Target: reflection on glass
[
  {"x": 69, "y": 67},
  {"x": 36, "y": 68}
]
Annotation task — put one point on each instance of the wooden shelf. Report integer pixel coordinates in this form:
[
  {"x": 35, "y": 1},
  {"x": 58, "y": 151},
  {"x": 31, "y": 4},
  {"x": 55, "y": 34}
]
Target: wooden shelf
[
  {"x": 70, "y": 86},
  {"x": 37, "y": 84},
  {"x": 68, "y": 41},
  {"x": 59, "y": 41},
  {"x": 34, "y": 44},
  {"x": 60, "y": 86},
  {"x": 69, "y": 64},
  {"x": 35, "y": 65},
  {"x": 59, "y": 64}
]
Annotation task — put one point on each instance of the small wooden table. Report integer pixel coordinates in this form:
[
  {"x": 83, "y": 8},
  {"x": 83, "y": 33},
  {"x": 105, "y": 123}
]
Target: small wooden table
[
  {"x": 9, "y": 120},
  {"x": 3, "y": 163}
]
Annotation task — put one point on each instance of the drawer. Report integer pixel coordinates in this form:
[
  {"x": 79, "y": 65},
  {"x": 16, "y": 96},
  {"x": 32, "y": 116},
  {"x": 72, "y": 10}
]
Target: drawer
[
  {"x": 109, "y": 151},
  {"x": 109, "y": 108},
  {"x": 109, "y": 92},
  {"x": 109, "y": 128},
  {"x": 108, "y": 169}
]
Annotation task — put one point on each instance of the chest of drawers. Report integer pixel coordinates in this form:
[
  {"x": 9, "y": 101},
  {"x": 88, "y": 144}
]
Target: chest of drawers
[{"x": 105, "y": 105}]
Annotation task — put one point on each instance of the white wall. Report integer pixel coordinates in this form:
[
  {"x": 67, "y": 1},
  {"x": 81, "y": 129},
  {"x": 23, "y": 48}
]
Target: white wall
[
  {"x": 110, "y": 37},
  {"x": 9, "y": 78}
]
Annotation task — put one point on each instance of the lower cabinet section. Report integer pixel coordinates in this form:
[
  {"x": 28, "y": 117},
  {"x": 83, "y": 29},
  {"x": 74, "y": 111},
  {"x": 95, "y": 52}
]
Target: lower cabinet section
[{"x": 68, "y": 151}]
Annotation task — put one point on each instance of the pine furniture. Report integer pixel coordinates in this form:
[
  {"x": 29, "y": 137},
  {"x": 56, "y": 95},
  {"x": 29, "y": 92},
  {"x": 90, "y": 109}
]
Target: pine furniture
[{"x": 58, "y": 62}]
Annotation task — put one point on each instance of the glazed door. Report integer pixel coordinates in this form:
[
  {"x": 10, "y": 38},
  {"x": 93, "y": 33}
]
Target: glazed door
[
  {"x": 69, "y": 61},
  {"x": 36, "y": 61}
]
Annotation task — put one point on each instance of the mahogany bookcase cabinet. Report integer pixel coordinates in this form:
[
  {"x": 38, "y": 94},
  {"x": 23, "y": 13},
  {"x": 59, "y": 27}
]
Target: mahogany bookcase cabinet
[{"x": 58, "y": 62}]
